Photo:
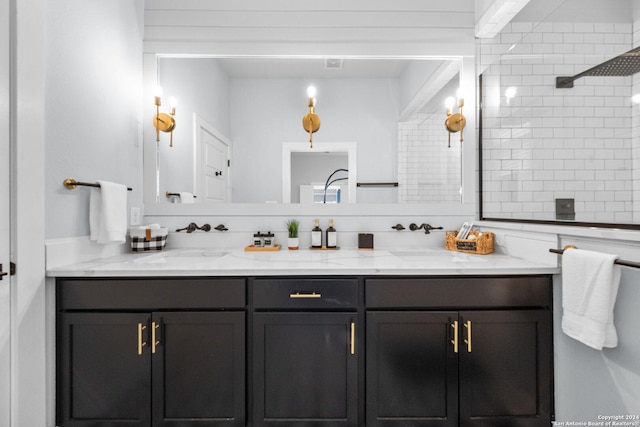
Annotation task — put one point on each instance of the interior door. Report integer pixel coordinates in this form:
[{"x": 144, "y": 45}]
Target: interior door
[
  {"x": 5, "y": 290},
  {"x": 212, "y": 163}
]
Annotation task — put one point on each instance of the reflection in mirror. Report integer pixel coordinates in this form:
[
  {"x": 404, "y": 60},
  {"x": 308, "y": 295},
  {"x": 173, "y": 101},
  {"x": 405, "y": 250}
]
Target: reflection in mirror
[
  {"x": 307, "y": 171},
  {"x": 393, "y": 109},
  {"x": 560, "y": 154}
]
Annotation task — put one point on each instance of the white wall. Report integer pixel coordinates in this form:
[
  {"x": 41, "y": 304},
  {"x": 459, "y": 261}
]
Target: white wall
[
  {"x": 93, "y": 105},
  {"x": 266, "y": 113},
  {"x": 201, "y": 86}
]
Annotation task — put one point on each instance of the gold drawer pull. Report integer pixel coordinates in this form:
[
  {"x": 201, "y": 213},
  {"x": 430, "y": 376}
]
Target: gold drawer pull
[
  {"x": 141, "y": 343},
  {"x": 353, "y": 338},
  {"x": 299, "y": 295},
  {"x": 468, "y": 340},
  {"x": 154, "y": 340},
  {"x": 454, "y": 341}
]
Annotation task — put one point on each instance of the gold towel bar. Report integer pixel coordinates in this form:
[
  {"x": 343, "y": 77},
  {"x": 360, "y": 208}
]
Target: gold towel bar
[
  {"x": 71, "y": 184},
  {"x": 618, "y": 261},
  {"x": 169, "y": 194}
]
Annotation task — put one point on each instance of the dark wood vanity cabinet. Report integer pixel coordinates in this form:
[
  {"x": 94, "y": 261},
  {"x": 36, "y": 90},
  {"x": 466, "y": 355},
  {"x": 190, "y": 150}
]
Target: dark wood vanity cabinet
[
  {"x": 305, "y": 359},
  {"x": 129, "y": 356},
  {"x": 305, "y": 352},
  {"x": 459, "y": 352}
]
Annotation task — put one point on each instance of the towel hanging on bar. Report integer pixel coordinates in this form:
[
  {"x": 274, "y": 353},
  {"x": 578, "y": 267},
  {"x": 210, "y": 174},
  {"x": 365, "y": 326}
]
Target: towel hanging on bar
[{"x": 71, "y": 184}]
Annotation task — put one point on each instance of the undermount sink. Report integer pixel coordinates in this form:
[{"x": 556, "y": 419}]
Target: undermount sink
[
  {"x": 191, "y": 254},
  {"x": 417, "y": 253}
]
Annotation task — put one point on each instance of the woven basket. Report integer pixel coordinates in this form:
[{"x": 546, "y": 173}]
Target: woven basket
[
  {"x": 482, "y": 244},
  {"x": 148, "y": 240}
]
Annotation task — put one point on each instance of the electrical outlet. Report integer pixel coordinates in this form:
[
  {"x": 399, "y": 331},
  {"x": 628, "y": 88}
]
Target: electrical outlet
[{"x": 135, "y": 216}]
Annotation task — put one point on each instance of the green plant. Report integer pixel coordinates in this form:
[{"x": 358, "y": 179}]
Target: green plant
[{"x": 292, "y": 227}]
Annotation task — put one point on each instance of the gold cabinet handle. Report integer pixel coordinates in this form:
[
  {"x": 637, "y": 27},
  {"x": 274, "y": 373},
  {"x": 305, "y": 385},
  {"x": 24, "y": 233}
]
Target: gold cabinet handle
[
  {"x": 454, "y": 341},
  {"x": 301, "y": 296},
  {"x": 154, "y": 340},
  {"x": 141, "y": 343},
  {"x": 467, "y": 325},
  {"x": 353, "y": 338}
]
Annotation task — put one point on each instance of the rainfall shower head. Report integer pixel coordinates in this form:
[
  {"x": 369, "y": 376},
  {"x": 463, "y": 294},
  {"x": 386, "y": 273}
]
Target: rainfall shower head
[{"x": 626, "y": 64}]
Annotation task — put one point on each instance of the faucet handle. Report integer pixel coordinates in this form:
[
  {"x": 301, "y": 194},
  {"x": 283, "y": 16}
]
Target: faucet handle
[{"x": 398, "y": 227}]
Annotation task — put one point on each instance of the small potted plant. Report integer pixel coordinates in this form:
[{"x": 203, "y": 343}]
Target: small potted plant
[{"x": 292, "y": 229}]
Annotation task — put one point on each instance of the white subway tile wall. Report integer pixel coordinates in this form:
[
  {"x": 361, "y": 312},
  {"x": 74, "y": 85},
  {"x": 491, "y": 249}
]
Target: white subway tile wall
[
  {"x": 428, "y": 169},
  {"x": 545, "y": 143}
]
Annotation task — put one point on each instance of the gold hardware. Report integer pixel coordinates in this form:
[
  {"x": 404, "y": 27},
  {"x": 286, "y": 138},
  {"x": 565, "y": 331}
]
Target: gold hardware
[
  {"x": 570, "y": 247},
  {"x": 302, "y": 296},
  {"x": 162, "y": 121},
  {"x": 467, "y": 341},
  {"x": 455, "y": 122},
  {"x": 353, "y": 338},
  {"x": 154, "y": 341},
  {"x": 454, "y": 341},
  {"x": 141, "y": 343},
  {"x": 70, "y": 183},
  {"x": 311, "y": 121}
]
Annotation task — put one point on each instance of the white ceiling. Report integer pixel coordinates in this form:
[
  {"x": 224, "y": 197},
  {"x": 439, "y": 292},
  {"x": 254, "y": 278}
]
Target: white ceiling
[
  {"x": 278, "y": 68},
  {"x": 601, "y": 11},
  {"x": 337, "y": 26}
]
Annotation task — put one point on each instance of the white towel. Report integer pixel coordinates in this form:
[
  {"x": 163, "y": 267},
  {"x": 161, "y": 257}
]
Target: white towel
[
  {"x": 108, "y": 213},
  {"x": 590, "y": 282},
  {"x": 186, "y": 197}
]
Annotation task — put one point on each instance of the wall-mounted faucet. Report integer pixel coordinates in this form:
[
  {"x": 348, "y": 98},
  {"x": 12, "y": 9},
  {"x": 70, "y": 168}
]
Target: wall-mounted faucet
[
  {"x": 206, "y": 227},
  {"x": 426, "y": 227}
]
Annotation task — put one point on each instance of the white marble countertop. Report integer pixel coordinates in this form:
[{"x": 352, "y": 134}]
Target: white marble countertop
[{"x": 220, "y": 262}]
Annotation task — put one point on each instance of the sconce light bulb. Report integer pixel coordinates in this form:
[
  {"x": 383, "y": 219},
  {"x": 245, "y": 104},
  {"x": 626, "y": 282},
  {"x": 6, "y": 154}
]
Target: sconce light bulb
[
  {"x": 173, "y": 102},
  {"x": 312, "y": 92},
  {"x": 158, "y": 92},
  {"x": 636, "y": 98},
  {"x": 449, "y": 103}
]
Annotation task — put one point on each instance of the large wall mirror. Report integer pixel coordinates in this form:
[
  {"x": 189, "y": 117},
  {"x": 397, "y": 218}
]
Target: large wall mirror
[
  {"x": 562, "y": 153},
  {"x": 236, "y": 115}
]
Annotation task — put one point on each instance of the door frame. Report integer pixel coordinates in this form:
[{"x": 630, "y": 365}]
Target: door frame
[
  {"x": 199, "y": 124},
  {"x": 5, "y": 213}
]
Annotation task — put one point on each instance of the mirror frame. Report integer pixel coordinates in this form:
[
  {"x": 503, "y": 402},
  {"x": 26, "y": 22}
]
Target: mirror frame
[{"x": 466, "y": 206}]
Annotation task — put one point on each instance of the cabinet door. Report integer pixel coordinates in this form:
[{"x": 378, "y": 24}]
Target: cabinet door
[
  {"x": 505, "y": 368},
  {"x": 305, "y": 369},
  {"x": 198, "y": 369},
  {"x": 104, "y": 370},
  {"x": 412, "y": 369}
]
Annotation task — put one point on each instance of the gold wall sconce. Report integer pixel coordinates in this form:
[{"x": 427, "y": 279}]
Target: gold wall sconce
[
  {"x": 455, "y": 122},
  {"x": 162, "y": 121},
  {"x": 311, "y": 121}
]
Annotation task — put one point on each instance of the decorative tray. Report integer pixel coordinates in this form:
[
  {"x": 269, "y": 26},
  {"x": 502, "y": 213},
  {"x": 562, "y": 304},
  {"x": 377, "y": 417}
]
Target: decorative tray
[{"x": 252, "y": 248}]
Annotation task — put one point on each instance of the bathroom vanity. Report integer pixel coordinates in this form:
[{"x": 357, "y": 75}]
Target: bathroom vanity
[{"x": 139, "y": 347}]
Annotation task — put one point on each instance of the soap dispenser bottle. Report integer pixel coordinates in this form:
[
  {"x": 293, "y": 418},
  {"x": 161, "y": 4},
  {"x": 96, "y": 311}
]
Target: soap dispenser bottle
[
  {"x": 332, "y": 236},
  {"x": 316, "y": 235}
]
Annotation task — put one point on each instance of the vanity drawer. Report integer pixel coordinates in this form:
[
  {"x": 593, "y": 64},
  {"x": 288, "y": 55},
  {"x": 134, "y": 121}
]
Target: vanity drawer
[
  {"x": 151, "y": 294},
  {"x": 304, "y": 293},
  {"x": 459, "y": 292}
]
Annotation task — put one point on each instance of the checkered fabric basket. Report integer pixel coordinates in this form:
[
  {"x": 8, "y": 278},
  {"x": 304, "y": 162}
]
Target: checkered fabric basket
[{"x": 148, "y": 239}]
